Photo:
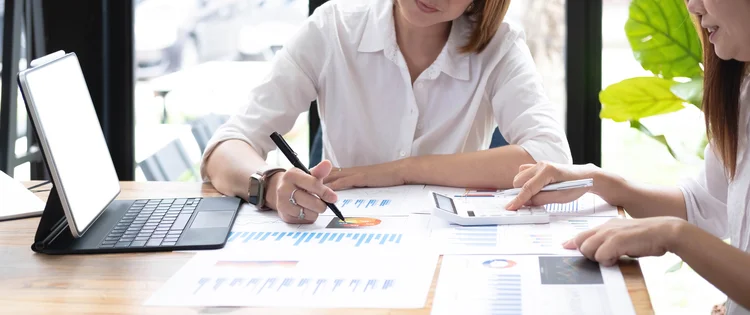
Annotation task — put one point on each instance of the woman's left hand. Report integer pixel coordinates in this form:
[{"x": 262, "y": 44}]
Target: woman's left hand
[
  {"x": 627, "y": 237},
  {"x": 379, "y": 175}
]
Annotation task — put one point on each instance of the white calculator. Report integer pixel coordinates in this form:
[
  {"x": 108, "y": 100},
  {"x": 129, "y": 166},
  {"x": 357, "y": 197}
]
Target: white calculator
[{"x": 488, "y": 210}]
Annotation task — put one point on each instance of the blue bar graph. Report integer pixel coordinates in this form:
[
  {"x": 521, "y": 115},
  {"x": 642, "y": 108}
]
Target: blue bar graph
[
  {"x": 364, "y": 203},
  {"x": 570, "y": 207},
  {"x": 504, "y": 291},
  {"x": 307, "y": 239},
  {"x": 292, "y": 285},
  {"x": 483, "y": 236}
]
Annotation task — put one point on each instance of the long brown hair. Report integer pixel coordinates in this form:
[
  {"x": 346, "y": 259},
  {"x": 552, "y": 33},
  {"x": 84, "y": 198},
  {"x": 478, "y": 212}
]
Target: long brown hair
[
  {"x": 486, "y": 16},
  {"x": 721, "y": 101}
]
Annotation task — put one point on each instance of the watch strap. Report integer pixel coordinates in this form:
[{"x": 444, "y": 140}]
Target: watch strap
[{"x": 262, "y": 175}]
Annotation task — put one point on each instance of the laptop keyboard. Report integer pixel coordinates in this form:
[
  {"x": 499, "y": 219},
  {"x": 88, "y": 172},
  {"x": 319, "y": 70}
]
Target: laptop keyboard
[{"x": 152, "y": 223}]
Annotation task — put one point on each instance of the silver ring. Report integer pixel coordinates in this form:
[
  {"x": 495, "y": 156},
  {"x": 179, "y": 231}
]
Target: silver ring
[
  {"x": 291, "y": 198},
  {"x": 301, "y": 213}
]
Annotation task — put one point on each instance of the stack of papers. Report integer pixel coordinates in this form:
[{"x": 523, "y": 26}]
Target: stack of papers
[{"x": 385, "y": 256}]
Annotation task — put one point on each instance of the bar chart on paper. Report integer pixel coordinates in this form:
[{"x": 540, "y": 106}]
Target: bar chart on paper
[
  {"x": 387, "y": 201},
  {"x": 588, "y": 205},
  {"x": 261, "y": 286},
  {"x": 556, "y": 208},
  {"x": 480, "y": 285},
  {"x": 364, "y": 203},
  {"x": 316, "y": 239},
  {"x": 512, "y": 239},
  {"x": 529, "y": 284},
  {"x": 387, "y": 280}
]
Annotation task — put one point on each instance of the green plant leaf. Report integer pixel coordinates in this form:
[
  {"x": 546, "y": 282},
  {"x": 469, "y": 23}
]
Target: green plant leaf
[
  {"x": 664, "y": 39},
  {"x": 636, "y": 98},
  {"x": 676, "y": 267},
  {"x": 691, "y": 91},
  {"x": 635, "y": 124}
]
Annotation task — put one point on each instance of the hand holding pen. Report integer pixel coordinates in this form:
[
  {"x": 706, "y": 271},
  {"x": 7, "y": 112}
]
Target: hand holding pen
[{"x": 300, "y": 195}]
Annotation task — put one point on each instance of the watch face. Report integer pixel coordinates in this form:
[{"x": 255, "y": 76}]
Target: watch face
[{"x": 255, "y": 186}]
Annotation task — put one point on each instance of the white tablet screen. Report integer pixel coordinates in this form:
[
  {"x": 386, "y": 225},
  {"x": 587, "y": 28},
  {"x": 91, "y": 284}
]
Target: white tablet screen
[{"x": 72, "y": 140}]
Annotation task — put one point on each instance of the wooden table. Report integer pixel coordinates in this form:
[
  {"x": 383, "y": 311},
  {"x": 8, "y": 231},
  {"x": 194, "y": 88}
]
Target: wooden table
[{"x": 119, "y": 283}]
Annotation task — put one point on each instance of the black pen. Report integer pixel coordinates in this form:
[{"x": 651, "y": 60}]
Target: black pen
[{"x": 292, "y": 157}]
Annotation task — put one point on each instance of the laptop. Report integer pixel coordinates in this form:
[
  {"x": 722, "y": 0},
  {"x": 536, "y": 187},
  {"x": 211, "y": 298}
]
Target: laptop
[{"x": 82, "y": 214}]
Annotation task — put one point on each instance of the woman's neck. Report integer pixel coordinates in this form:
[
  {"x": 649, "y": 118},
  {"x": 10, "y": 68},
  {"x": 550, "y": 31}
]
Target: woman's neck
[{"x": 420, "y": 46}]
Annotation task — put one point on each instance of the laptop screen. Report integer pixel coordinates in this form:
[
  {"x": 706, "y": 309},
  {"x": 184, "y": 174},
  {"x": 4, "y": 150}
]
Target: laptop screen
[{"x": 72, "y": 140}]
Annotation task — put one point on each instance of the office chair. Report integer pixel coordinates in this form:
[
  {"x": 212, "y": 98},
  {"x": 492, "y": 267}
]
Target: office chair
[
  {"x": 170, "y": 163},
  {"x": 204, "y": 127},
  {"x": 316, "y": 151}
]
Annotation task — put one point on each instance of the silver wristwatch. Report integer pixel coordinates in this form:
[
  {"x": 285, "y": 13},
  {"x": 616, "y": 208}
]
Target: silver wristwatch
[{"x": 256, "y": 192}]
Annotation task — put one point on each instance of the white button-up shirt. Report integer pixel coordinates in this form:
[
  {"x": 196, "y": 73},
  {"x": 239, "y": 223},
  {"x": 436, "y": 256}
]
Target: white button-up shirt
[
  {"x": 346, "y": 56},
  {"x": 718, "y": 205}
]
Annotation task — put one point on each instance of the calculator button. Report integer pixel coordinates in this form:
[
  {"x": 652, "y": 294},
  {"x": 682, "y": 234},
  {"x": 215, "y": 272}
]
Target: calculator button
[{"x": 524, "y": 212}]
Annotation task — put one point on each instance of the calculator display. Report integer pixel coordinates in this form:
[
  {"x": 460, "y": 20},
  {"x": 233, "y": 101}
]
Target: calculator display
[{"x": 444, "y": 203}]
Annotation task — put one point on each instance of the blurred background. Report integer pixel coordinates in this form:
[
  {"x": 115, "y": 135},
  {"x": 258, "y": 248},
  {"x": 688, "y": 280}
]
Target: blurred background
[{"x": 194, "y": 61}]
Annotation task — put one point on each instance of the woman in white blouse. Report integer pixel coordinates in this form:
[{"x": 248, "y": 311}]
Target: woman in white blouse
[
  {"x": 409, "y": 91},
  {"x": 690, "y": 220}
]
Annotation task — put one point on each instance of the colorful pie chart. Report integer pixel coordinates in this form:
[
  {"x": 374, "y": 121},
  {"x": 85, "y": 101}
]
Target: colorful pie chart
[
  {"x": 499, "y": 263},
  {"x": 353, "y": 223}
]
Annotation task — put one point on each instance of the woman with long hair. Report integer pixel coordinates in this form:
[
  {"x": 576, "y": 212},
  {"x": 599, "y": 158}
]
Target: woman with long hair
[{"x": 692, "y": 219}]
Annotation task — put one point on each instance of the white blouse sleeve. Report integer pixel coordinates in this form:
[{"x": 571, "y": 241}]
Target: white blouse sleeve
[
  {"x": 706, "y": 197},
  {"x": 285, "y": 93},
  {"x": 522, "y": 110}
]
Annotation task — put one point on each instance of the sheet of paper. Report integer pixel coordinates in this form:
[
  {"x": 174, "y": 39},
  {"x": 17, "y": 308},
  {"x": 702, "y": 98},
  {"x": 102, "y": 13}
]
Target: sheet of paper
[
  {"x": 391, "y": 279},
  {"x": 325, "y": 239},
  {"x": 249, "y": 219},
  {"x": 512, "y": 239},
  {"x": 588, "y": 205},
  {"x": 16, "y": 201},
  {"x": 517, "y": 284},
  {"x": 387, "y": 201}
]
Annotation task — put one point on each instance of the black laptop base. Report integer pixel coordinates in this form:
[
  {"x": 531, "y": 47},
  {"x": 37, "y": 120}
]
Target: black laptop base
[{"x": 204, "y": 223}]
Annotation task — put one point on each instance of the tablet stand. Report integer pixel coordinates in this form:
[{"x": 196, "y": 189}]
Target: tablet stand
[{"x": 53, "y": 231}]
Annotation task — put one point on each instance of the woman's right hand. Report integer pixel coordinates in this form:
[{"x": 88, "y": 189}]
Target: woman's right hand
[
  {"x": 531, "y": 178},
  {"x": 309, "y": 192}
]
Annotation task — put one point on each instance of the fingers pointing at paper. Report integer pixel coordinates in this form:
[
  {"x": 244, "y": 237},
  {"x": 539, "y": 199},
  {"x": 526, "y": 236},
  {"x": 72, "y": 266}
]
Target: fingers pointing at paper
[
  {"x": 626, "y": 237},
  {"x": 298, "y": 195},
  {"x": 531, "y": 178}
]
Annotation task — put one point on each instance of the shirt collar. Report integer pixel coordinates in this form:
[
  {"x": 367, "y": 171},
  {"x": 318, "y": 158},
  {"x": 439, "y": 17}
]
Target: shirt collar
[{"x": 380, "y": 35}]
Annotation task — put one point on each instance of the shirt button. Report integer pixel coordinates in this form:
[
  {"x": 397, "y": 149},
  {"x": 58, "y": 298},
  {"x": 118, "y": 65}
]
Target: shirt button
[
  {"x": 419, "y": 126},
  {"x": 402, "y": 153},
  {"x": 420, "y": 85}
]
